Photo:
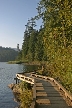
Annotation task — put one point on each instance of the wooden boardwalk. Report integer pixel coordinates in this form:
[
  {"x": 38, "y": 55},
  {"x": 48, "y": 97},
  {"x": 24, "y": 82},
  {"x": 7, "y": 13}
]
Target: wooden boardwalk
[{"x": 47, "y": 94}]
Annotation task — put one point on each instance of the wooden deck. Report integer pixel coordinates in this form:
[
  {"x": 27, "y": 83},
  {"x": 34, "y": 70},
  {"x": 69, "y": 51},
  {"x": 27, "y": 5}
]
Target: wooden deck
[
  {"x": 49, "y": 96},
  {"x": 47, "y": 92}
]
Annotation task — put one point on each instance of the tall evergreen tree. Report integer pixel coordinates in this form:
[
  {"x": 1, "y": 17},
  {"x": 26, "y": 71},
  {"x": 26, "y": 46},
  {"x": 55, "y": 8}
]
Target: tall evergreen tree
[{"x": 57, "y": 19}]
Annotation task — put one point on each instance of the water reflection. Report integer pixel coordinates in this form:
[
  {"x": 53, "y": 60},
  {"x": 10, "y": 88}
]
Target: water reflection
[{"x": 30, "y": 68}]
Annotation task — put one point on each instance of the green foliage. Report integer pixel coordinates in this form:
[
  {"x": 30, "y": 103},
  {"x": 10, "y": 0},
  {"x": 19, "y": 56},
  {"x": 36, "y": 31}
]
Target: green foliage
[
  {"x": 24, "y": 90},
  {"x": 32, "y": 48},
  {"x": 53, "y": 42},
  {"x": 24, "y": 85},
  {"x": 14, "y": 62},
  {"x": 26, "y": 99},
  {"x": 7, "y": 54},
  {"x": 39, "y": 48},
  {"x": 57, "y": 18},
  {"x": 19, "y": 57},
  {"x": 32, "y": 43}
]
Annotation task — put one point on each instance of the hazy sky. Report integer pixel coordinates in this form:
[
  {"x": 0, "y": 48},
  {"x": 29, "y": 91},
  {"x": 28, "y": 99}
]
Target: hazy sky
[{"x": 13, "y": 17}]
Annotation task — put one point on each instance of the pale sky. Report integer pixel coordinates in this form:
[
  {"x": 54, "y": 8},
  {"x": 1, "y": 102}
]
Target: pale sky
[{"x": 13, "y": 18}]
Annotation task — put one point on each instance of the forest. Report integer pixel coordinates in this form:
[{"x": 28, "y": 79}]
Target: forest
[
  {"x": 7, "y": 54},
  {"x": 51, "y": 45}
]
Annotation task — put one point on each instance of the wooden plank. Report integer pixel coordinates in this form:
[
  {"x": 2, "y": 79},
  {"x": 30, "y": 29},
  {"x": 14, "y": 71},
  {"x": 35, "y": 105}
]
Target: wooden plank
[{"x": 43, "y": 101}]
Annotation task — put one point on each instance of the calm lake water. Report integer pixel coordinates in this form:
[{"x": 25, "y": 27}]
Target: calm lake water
[{"x": 7, "y": 75}]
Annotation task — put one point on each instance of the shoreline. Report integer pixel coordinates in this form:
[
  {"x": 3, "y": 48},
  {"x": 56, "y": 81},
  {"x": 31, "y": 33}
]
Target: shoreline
[
  {"x": 22, "y": 94},
  {"x": 26, "y": 62},
  {"x": 16, "y": 93}
]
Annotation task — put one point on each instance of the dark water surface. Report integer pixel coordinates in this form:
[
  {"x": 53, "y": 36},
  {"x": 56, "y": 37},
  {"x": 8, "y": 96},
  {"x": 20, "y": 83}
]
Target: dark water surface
[{"x": 7, "y": 75}]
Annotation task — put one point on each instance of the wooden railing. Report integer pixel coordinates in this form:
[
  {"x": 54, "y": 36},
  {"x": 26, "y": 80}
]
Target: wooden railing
[
  {"x": 31, "y": 81},
  {"x": 66, "y": 93},
  {"x": 24, "y": 78}
]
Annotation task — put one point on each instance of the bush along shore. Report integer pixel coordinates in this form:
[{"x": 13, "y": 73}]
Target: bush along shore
[
  {"x": 26, "y": 62},
  {"x": 22, "y": 93},
  {"x": 15, "y": 62}
]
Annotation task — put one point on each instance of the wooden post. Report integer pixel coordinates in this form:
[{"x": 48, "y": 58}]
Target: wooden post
[{"x": 16, "y": 80}]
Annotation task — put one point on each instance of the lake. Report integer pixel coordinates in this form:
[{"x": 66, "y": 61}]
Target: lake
[{"x": 7, "y": 75}]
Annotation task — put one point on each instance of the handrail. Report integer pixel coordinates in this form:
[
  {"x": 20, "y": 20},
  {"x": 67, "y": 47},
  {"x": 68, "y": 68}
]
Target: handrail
[
  {"x": 32, "y": 81},
  {"x": 66, "y": 93},
  {"x": 24, "y": 78}
]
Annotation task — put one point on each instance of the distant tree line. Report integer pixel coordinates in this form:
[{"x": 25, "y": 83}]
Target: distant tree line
[
  {"x": 7, "y": 54},
  {"x": 53, "y": 41}
]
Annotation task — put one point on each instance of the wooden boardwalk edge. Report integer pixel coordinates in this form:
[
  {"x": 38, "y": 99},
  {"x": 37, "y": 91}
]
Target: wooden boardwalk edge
[
  {"x": 66, "y": 93},
  {"x": 32, "y": 81}
]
